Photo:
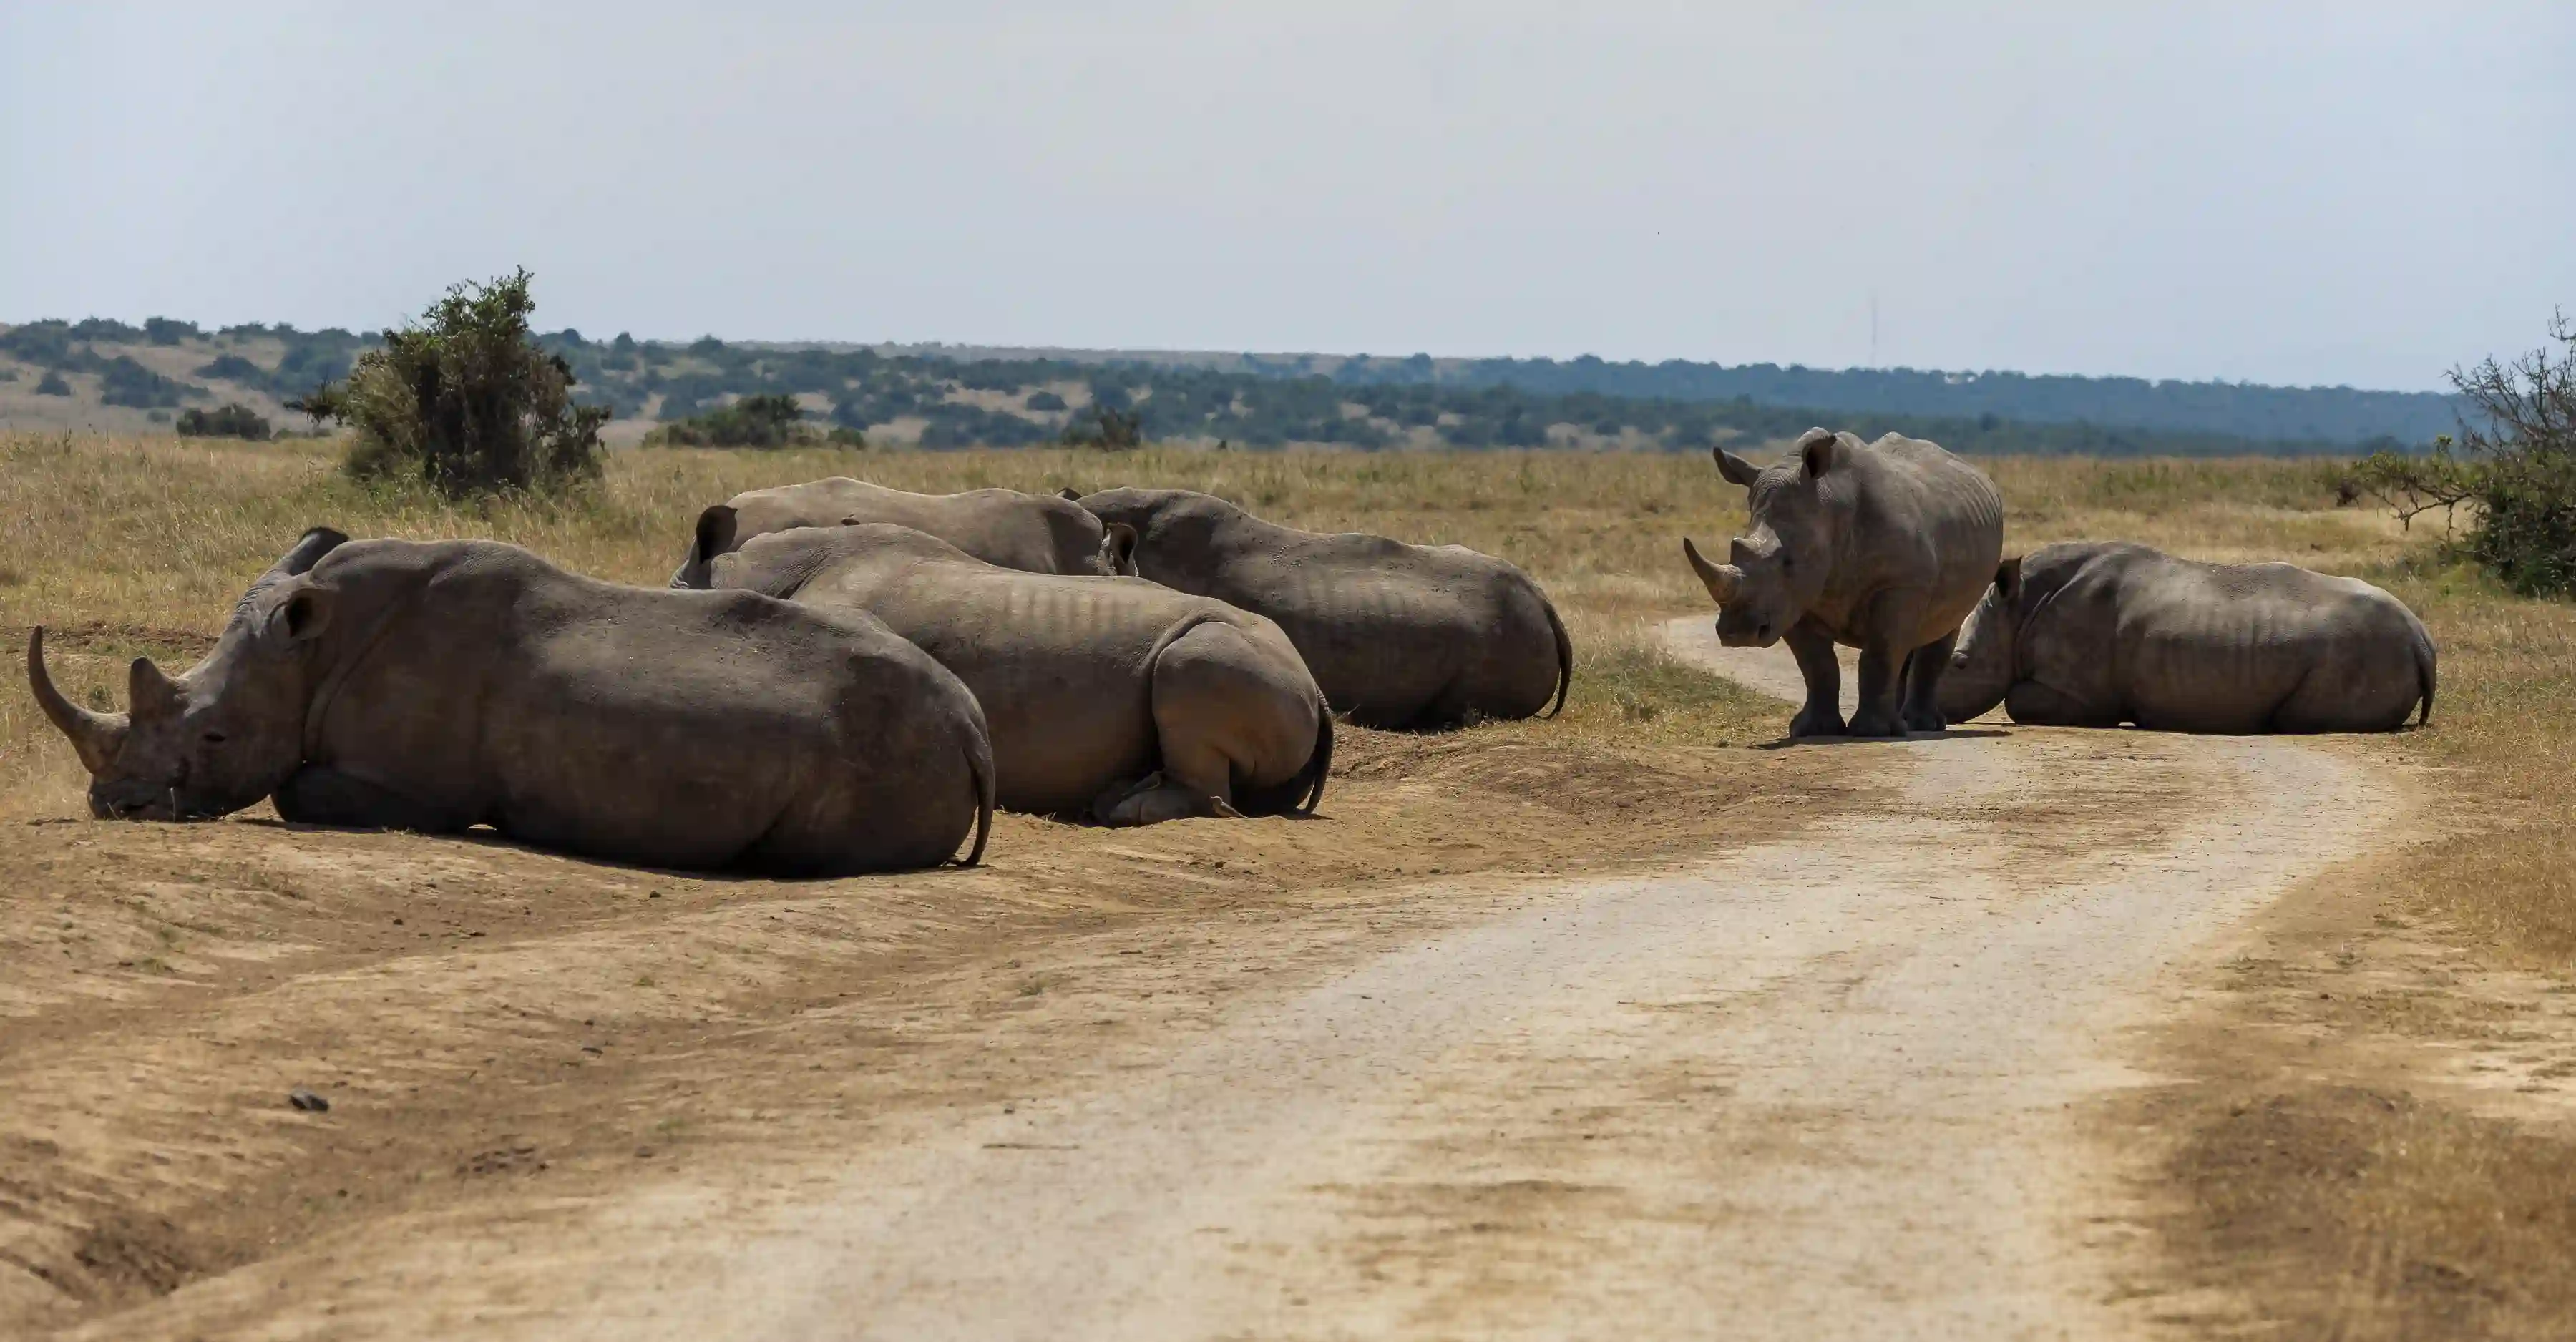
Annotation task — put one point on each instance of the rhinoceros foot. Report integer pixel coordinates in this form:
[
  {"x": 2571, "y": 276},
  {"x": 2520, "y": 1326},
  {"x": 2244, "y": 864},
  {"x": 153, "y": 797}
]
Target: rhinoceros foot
[
  {"x": 1154, "y": 799},
  {"x": 1874, "y": 722},
  {"x": 1816, "y": 720}
]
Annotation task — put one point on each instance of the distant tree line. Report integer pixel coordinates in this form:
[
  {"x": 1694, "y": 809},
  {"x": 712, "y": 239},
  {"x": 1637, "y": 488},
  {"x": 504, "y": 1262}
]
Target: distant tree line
[
  {"x": 1360, "y": 401},
  {"x": 2239, "y": 410}
]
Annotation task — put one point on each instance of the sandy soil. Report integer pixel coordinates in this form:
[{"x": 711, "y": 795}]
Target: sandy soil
[{"x": 1818, "y": 1068}]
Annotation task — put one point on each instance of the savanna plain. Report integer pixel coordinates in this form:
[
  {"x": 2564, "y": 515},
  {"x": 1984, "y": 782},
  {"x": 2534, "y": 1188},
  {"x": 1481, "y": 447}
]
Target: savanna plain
[{"x": 2351, "y": 1118}]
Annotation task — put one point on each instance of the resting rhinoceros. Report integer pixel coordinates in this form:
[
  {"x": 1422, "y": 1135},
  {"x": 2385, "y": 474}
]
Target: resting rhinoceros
[
  {"x": 1034, "y": 533},
  {"x": 1114, "y": 696},
  {"x": 2095, "y": 634},
  {"x": 398, "y": 685},
  {"x": 1881, "y": 546},
  {"x": 1399, "y": 636}
]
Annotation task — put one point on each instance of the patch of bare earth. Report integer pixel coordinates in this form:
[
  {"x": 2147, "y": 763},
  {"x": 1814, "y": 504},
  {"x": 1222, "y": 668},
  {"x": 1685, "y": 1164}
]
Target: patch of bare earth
[{"x": 510, "y": 1041}]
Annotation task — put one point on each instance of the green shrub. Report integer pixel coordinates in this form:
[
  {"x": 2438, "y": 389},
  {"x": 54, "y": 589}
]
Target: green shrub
[
  {"x": 1107, "y": 429},
  {"x": 52, "y": 384},
  {"x": 770, "y": 419},
  {"x": 466, "y": 400},
  {"x": 232, "y": 419},
  {"x": 2515, "y": 468},
  {"x": 124, "y": 382}
]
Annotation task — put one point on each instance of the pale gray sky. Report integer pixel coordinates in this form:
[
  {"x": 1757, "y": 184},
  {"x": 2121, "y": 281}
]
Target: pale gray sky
[{"x": 2310, "y": 193}]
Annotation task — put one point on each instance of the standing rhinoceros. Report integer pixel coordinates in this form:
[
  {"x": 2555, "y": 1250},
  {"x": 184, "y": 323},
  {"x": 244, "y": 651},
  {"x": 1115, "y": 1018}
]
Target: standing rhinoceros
[
  {"x": 1114, "y": 696},
  {"x": 1880, "y": 546},
  {"x": 1399, "y": 636},
  {"x": 1034, "y": 533},
  {"x": 2095, "y": 634},
  {"x": 396, "y": 685}
]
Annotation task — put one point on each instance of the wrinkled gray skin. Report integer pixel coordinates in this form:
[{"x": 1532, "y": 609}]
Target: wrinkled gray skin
[
  {"x": 2096, "y": 634},
  {"x": 1034, "y": 533},
  {"x": 1114, "y": 697},
  {"x": 395, "y": 685},
  {"x": 1400, "y": 636},
  {"x": 1881, "y": 546}
]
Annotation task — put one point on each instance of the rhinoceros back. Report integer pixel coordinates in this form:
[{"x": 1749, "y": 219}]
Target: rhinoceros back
[{"x": 694, "y": 729}]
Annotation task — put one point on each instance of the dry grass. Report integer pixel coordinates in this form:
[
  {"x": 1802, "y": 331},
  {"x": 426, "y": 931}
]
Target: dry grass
[{"x": 2360, "y": 1214}]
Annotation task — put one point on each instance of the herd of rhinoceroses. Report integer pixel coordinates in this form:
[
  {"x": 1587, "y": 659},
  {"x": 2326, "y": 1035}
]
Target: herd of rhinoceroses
[{"x": 843, "y": 677}]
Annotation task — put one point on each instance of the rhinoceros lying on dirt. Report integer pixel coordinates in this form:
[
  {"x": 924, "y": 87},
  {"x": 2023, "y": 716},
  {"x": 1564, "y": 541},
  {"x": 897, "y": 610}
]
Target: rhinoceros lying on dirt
[
  {"x": 1399, "y": 636},
  {"x": 397, "y": 685},
  {"x": 2095, "y": 634},
  {"x": 1090, "y": 684},
  {"x": 1881, "y": 546},
  {"x": 1034, "y": 533}
]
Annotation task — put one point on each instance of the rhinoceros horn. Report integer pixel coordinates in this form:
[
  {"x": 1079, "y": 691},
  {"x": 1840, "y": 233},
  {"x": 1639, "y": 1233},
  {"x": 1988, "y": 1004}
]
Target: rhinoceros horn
[
  {"x": 1720, "y": 579},
  {"x": 95, "y": 736}
]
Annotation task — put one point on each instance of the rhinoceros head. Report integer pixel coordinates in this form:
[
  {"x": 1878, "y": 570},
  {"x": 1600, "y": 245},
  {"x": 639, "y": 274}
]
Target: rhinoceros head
[
  {"x": 1774, "y": 574},
  {"x": 219, "y": 737},
  {"x": 1981, "y": 666}
]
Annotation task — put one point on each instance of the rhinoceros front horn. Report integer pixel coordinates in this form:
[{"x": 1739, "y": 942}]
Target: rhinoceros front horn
[
  {"x": 95, "y": 736},
  {"x": 1721, "y": 580}
]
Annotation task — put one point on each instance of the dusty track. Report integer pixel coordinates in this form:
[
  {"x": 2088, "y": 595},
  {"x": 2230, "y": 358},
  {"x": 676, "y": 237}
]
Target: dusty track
[{"x": 1832, "y": 1085}]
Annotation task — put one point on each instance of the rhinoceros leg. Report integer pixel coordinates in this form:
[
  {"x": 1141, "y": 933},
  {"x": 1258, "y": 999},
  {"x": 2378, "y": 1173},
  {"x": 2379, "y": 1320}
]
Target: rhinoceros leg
[
  {"x": 1923, "y": 671},
  {"x": 1814, "y": 649},
  {"x": 1154, "y": 799},
  {"x": 1882, "y": 689},
  {"x": 319, "y": 795}
]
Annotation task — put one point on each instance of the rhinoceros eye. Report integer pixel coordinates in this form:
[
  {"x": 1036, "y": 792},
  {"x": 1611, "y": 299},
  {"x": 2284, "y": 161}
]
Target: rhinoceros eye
[{"x": 214, "y": 738}]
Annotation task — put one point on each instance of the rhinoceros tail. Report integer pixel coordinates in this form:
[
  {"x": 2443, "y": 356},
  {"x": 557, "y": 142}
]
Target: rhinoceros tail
[
  {"x": 1564, "y": 656},
  {"x": 1303, "y": 791},
  {"x": 2425, "y": 676},
  {"x": 980, "y": 763},
  {"x": 1319, "y": 764}
]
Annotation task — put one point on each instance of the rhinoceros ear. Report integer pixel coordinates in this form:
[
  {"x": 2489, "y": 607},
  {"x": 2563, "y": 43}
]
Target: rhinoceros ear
[
  {"x": 300, "y": 617},
  {"x": 1069, "y": 494},
  {"x": 1816, "y": 450},
  {"x": 2008, "y": 578},
  {"x": 1118, "y": 549},
  {"x": 309, "y": 549},
  {"x": 1736, "y": 469},
  {"x": 716, "y": 531}
]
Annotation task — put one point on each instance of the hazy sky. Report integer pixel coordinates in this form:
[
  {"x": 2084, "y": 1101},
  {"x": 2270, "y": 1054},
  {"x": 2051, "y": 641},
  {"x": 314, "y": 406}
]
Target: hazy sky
[{"x": 2312, "y": 193}]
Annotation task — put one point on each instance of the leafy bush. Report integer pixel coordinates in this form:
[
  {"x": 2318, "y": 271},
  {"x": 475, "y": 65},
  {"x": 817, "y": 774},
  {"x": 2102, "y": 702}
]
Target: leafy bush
[
  {"x": 234, "y": 368},
  {"x": 766, "y": 420},
  {"x": 166, "y": 331},
  {"x": 127, "y": 383},
  {"x": 466, "y": 401},
  {"x": 232, "y": 419},
  {"x": 52, "y": 384},
  {"x": 2515, "y": 466},
  {"x": 1044, "y": 400},
  {"x": 1107, "y": 430},
  {"x": 45, "y": 344}
]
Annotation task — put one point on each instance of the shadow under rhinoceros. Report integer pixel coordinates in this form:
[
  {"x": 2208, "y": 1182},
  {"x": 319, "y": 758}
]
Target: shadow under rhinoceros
[
  {"x": 1950, "y": 734},
  {"x": 485, "y": 837}
]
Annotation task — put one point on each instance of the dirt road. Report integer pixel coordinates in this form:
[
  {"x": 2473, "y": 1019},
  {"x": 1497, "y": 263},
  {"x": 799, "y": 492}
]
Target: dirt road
[{"x": 1835, "y": 1084}]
